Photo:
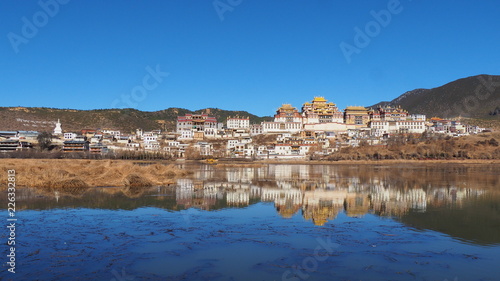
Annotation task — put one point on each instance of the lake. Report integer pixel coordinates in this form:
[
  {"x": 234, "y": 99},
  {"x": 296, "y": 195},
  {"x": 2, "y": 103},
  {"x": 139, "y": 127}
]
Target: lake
[{"x": 269, "y": 222}]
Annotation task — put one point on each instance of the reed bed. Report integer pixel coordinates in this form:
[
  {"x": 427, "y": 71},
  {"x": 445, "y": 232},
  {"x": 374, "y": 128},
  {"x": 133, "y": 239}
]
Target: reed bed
[{"x": 81, "y": 174}]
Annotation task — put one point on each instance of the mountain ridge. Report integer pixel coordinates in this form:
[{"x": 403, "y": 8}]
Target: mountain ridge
[
  {"x": 476, "y": 97},
  {"x": 126, "y": 120},
  {"x": 473, "y": 97}
]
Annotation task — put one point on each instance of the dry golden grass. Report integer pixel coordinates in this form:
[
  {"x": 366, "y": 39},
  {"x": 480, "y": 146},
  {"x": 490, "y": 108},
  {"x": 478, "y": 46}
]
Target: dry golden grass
[
  {"x": 476, "y": 147},
  {"x": 134, "y": 180},
  {"x": 80, "y": 174}
]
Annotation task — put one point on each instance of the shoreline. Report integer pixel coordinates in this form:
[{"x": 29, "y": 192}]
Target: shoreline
[
  {"x": 75, "y": 175},
  {"x": 243, "y": 161},
  {"x": 384, "y": 162}
]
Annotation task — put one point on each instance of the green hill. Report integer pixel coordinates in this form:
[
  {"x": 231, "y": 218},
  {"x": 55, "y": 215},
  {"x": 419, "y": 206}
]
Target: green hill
[{"x": 126, "y": 120}]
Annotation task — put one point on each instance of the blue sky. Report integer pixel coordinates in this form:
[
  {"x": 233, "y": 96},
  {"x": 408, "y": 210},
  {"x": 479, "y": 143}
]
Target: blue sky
[{"x": 249, "y": 55}]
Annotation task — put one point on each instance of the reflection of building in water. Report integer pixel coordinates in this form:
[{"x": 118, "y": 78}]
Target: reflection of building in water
[
  {"x": 184, "y": 192},
  {"x": 262, "y": 172},
  {"x": 205, "y": 172},
  {"x": 212, "y": 191},
  {"x": 390, "y": 201},
  {"x": 311, "y": 185},
  {"x": 386, "y": 201},
  {"x": 320, "y": 197},
  {"x": 285, "y": 184},
  {"x": 245, "y": 175},
  {"x": 282, "y": 172},
  {"x": 355, "y": 185},
  {"x": 215, "y": 190},
  {"x": 239, "y": 194},
  {"x": 303, "y": 171},
  {"x": 452, "y": 195},
  {"x": 323, "y": 173},
  {"x": 238, "y": 198},
  {"x": 255, "y": 192},
  {"x": 194, "y": 194},
  {"x": 286, "y": 201},
  {"x": 322, "y": 205},
  {"x": 356, "y": 204},
  {"x": 205, "y": 195}
]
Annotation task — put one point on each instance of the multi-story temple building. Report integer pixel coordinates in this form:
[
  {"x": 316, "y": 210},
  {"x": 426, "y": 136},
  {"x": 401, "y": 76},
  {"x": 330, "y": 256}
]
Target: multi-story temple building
[
  {"x": 318, "y": 115},
  {"x": 389, "y": 113},
  {"x": 286, "y": 119},
  {"x": 196, "y": 126},
  {"x": 321, "y": 115},
  {"x": 390, "y": 119},
  {"x": 321, "y": 111},
  {"x": 287, "y": 113},
  {"x": 357, "y": 115}
]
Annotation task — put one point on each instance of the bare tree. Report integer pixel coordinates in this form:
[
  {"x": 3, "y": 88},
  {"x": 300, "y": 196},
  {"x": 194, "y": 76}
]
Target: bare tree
[{"x": 44, "y": 140}]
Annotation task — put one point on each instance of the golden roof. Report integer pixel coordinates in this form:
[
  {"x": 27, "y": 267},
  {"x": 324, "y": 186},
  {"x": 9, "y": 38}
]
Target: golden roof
[
  {"x": 319, "y": 99},
  {"x": 286, "y": 106},
  {"x": 356, "y": 108}
]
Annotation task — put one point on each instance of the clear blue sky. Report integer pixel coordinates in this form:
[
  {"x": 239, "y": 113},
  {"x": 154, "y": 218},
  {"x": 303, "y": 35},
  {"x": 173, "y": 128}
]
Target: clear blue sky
[{"x": 249, "y": 55}]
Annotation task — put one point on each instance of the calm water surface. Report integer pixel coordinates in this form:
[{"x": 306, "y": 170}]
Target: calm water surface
[{"x": 273, "y": 222}]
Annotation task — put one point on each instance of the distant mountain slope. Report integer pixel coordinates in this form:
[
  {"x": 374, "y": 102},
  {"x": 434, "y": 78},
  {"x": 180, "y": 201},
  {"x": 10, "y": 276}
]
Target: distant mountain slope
[
  {"x": 474, "y": 97},
  {"x": 126, "y": 120}
]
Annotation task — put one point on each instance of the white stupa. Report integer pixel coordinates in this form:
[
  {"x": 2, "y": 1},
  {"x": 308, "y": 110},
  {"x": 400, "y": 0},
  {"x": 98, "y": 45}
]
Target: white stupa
[{"x": 57, "y": 129}]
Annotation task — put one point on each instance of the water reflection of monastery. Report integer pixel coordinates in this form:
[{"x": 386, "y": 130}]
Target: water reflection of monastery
[{"x": 319, "y": 193}]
